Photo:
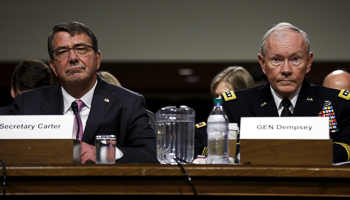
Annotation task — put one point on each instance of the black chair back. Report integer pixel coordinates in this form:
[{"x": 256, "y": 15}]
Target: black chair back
[{"x": 152, "y": 120}]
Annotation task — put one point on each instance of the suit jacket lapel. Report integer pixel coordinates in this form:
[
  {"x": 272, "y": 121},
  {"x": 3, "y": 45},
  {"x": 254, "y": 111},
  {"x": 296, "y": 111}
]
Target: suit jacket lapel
[
  {"x": 266, "y": 105},
  {"x": 101, "y": 102},
  {"x": 54, "y": 103}
]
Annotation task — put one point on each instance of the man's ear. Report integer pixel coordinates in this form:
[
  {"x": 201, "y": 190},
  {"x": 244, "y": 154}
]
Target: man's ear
[
  {"x": 13, "y": 92},
  {"x": 309, "y": 62},
  {"x": 52, "y": 66},
  {"x": 262, "y": 62},
  {"x": 98, "y": 59}
]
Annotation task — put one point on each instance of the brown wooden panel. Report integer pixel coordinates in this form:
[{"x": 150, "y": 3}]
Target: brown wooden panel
[
  {"x": 156, "y": 179},
  {"x": 154, "y": 170},
  {"x": 289, "y": 152},
  {"x": 40, "y": 151}
]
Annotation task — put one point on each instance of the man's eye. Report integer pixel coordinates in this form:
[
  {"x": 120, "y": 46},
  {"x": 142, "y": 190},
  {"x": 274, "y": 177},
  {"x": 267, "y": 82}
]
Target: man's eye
[
  {"x": 80, "y": 48},
  {"x": 296, "y": 59},
  {"x": 63, "y": 51},
  {"x": 275, "y": 59}
]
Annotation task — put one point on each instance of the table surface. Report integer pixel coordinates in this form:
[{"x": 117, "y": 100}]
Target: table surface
[
  {"x": 157, "y": 179},
  {"x": 152, "y": 170}
]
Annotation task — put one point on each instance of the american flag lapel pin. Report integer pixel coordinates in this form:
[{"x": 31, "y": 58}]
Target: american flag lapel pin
[{"x": 106, "y": 100}]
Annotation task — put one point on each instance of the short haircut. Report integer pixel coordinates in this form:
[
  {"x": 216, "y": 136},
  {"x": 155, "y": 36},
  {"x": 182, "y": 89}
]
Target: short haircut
[
  {"x": 30, "y": 74},
  {"x": 284, "y": 26},
  {"x": 72, "y": 28}
]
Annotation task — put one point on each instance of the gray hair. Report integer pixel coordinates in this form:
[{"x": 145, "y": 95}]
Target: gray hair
[
  {"x": 284, "y": 26},
  {"x": 72, "y": 28}
]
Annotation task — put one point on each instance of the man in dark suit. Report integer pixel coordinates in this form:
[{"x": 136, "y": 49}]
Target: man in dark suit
[
  {"x": 285, "y": 59},
  {"x": 107, "y": 109},
  {"x": 28, "y": 74}
]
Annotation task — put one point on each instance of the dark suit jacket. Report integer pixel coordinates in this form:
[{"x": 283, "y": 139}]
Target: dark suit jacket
[
  {"x": 258, "y": 101},
  {"x": 124, "y": 116},
  {"x": 5, "y": 109}
]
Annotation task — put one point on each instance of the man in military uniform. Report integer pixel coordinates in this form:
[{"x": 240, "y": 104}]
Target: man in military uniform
[{"x": 285, "y": 59}]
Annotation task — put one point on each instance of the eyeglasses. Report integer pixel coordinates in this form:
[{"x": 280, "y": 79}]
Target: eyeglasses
[{"x": 80, "y": 50}]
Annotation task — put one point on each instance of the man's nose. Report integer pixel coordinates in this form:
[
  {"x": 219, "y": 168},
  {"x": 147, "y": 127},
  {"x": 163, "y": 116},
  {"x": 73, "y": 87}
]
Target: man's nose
[
  {"x": 286, "y": 67},
  {"x": 73, "y": 57}
]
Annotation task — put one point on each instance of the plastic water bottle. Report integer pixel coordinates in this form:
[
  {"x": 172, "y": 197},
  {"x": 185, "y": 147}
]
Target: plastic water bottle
[
  {"x": 175, "y": 137},
  {"x": 217, "y": 130}
]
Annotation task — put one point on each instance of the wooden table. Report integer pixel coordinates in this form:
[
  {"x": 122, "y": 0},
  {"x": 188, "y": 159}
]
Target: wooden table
[{"x": 156, "y": 179}]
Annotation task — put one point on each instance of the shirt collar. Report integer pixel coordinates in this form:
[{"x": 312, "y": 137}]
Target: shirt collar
[
  {"x": 68, "y": 99},
  {"x": 278, "y": 98}
]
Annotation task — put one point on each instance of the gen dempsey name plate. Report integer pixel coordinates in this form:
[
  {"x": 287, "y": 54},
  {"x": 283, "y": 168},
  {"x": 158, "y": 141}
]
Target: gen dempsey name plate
[
  {"x": 37, "y": 127},
  {"x": 307, "y": 128}
]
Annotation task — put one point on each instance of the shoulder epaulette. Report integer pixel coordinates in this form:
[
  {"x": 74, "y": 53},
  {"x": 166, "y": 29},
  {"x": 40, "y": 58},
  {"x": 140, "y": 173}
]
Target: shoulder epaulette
[
  {"x": 344, "y": 94},
  {"x": 228, "y": 96},
  {"x": 201, "y": 124}
]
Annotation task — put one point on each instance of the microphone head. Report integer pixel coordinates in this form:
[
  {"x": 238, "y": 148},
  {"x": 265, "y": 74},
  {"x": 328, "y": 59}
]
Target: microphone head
[{"x": 74, "y": 107}]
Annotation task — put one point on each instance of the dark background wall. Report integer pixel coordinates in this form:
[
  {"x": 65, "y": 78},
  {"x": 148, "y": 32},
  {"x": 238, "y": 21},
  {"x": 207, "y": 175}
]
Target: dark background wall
[{"x": 145, "y": 43}]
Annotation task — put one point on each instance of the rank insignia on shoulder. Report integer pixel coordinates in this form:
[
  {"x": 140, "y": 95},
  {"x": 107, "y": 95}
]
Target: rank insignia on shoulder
[
  {"x": 228, "y": 96},
  {"x": 201, "y": 124},
  {"x": 344, "y": 94}
]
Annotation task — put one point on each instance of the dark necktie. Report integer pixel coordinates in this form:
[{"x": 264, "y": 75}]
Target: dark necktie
[{"x": 286, "y": 104}]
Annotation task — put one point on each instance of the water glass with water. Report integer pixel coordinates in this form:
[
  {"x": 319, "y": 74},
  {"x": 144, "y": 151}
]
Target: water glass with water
[{"x": 105, "y": 149}]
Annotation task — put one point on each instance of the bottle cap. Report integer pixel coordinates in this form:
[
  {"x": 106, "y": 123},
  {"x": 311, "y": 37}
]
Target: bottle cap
[{"x": 217, "y": 100}]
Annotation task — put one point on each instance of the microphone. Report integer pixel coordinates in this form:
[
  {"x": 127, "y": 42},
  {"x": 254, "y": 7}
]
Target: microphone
[{"x": 75, "y": 111}]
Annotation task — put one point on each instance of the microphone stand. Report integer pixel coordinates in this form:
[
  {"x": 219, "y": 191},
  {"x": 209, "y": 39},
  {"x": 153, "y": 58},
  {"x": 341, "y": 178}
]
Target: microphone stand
[{"x": 75, "y": 111}]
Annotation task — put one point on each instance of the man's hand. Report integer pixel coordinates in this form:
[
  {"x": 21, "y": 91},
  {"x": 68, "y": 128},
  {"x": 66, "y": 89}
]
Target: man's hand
[{"x": 88, "y": 153}]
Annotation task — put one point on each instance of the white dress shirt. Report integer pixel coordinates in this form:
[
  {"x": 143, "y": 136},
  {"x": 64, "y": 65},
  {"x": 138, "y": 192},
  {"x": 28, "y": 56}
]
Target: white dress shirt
[
  {"x": 278, "y": 100},
  {"x": 87, "y": 99},
  {"x": 84, "y": 113}
]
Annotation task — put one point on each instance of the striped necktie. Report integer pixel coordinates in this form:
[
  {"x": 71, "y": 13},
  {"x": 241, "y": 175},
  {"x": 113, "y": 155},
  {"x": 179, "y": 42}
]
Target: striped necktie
[{"x": 78, "y": 120}]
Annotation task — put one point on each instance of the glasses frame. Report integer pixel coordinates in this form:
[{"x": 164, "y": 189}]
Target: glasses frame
[{"x": 72, "y": 48}]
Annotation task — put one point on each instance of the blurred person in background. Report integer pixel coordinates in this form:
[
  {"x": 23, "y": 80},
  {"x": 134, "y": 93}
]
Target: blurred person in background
[
  {"x": 230, "y": 79},
  {"x": 108, "y": 77},
  {"x": 28, "y": 74},
  {"x": 338, "y": 79}
]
